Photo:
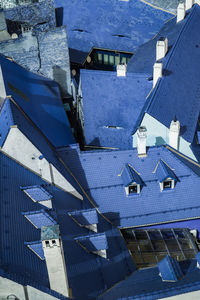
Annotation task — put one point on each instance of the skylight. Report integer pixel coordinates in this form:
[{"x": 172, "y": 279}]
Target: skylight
[
  {"x": 37, "y": 193},
  {"x": 149, "y": 246}
]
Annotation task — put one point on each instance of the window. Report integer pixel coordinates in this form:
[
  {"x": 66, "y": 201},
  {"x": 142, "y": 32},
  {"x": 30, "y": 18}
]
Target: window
[
  {"x": 167, "y": 184},
  {"x": 149, "y": 246},
  {"x": 105, "y": 59},
  {"x": 132, "y": 189}
]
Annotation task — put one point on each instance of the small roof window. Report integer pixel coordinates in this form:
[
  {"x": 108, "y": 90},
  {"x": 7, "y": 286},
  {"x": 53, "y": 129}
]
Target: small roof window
[
  {"x": 131, "y": 180},
  {"x": 165, "y": 175}
]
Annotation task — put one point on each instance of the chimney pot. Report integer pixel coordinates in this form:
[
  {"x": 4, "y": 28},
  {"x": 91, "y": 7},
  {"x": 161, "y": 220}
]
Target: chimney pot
[
  {"x": 180, "y": 12},
  {"x": 157, "y": 72},
  {"x": 121, "y": 70},
  {"x": 161, "y": 48},
  {"x": 141, "y": 141},
  {"x": 174, "y": 132},
  {"x": 188, "y": 4}
]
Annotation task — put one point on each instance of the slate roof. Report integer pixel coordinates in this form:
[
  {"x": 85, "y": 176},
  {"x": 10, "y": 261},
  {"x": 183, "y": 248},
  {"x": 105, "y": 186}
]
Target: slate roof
[
  {"x": 117, "y": 25},
  {"x": 151, "y": 206},
  {"x": 109, "y": 100},
  {"x": 180, "y": 64},
  {"x": 163, "y": 171},
  {"x": 40, "y": 99},
  {"x": 147, "y": 284}
]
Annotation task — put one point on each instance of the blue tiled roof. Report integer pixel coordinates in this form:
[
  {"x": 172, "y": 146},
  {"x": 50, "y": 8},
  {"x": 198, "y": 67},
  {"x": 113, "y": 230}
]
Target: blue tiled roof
[
  {"x": 129, "y": 175},
  {"x": 110, "y": 24},
  {"x": 169, "y": 269},
  {"x": 36, "y": 247},
  {"x": 40, "y": 99},
  {"x": 39, "y": 218},
  {"x": 109, "y": 101},
  {"x": 93, "y": 242},
  {"x": 37, "y": 193},
  {"x": 198, "y": 257},
  {"x": 163, "y": 171},
  {"x": 151, "y": 206},
  {"x": 175, "y": 88},
  {"x": 85, "y": 217},
  {"x": 147, "y": 284}
]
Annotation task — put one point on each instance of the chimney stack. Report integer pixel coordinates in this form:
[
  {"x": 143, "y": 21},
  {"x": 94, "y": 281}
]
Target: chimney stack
[
  {"x": 54, "y": 257},
  {"x": 188, "y": 4},
  {"x": 180, "y": 12},
  {"x": 157, "y": 72},
  {"x": 141, "y": 141},
  {"x": 161, "y": 48},
  {"x": 121, "y": 70},
  {"x": 174, "y": 132}
]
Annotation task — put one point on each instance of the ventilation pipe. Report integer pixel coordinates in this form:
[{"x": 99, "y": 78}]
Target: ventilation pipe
[
  {"x": 180, "y": 12},
  {"x": 161, "y": 48},
  {"x": 157, "y": 72}
]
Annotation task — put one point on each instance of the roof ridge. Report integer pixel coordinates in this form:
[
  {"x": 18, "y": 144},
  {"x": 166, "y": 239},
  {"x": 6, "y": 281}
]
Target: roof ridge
[{"x": 171, "y": 150}]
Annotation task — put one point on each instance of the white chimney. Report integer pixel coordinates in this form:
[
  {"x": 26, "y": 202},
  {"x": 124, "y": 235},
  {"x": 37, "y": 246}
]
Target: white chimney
[
  {"x": 2, "y": 86},
  {"x": 53, "y": 252},
  {"x": 188, "y": 4},
  {"x": 141, "y": 141},
  {"x": 174, "y": 132},
  {"x": 157, "y": 72},
  {"x": 161, "y": 48},
  {"x": 180, "y": 12},
  {"x": 121, "y": 70},
  {"x": 197, "y": 2}
]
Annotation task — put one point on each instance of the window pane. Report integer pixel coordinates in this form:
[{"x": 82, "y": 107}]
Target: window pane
[
  {"x": 116, "y": 60},
  {"x": 111, "y": 58},
  {"x": 172, "y": 245},
  {"x": 167, "y": 234},
  {"x": 159, "y": 245},
  {"x": 145, "y": 246},
  {"x": 99, "y": 58},
  {"x": 140, "y": 235},
  {"x": 123, "y": 60},
  {"x": 105, "y": 59}
]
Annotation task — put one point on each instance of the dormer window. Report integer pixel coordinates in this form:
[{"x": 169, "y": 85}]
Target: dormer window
[
  {"x": 165, "y": 175},
  {"x": 131, "y": 180}
]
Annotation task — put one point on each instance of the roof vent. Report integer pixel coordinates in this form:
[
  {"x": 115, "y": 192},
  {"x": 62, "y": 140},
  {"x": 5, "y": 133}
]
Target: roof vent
[
  {"x": 121, "y": 70},
  {"x": 180, "y": 12},
  {"x": 188, "y": 4},
  {"x": 174, "y": 132},
  {"x": 141, "y": 141},
  {"x": 157, "y": 72},
  {"x": 161, "y": 48}
]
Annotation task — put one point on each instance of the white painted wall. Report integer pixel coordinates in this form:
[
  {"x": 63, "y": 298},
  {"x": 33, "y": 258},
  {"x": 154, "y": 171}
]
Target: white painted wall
[
  {"x": 19, "y": 148},
  {"x": 8, "y": 287},
  {"x": 186, "y": 296},
  {"x": 158, "y": 134}
]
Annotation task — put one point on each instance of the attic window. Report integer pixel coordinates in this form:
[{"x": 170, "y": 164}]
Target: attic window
[
  {"x": 131, "y": 180},
  {"x": 132, "y": 189},
  {"x": 167, "y": 184}
]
